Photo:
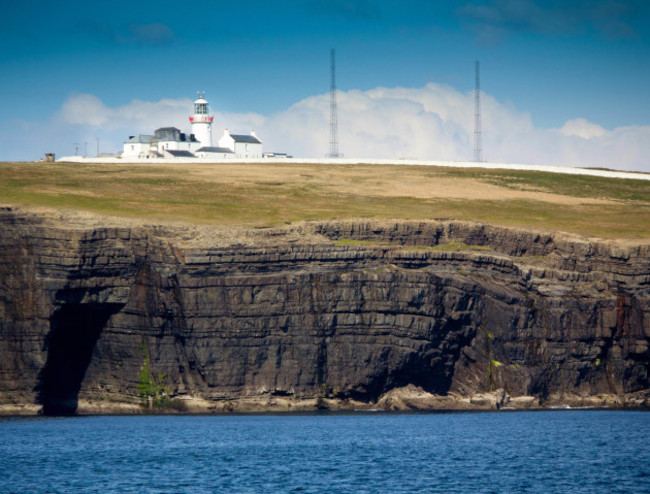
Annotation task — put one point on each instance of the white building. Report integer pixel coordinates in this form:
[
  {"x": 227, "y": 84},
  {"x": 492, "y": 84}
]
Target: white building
[
  {"x": 155, "y": 146},
  {"x": 141, "y": 146},
  {"x": 170, "y": 142},
  {"x": 243, "y": 146}
]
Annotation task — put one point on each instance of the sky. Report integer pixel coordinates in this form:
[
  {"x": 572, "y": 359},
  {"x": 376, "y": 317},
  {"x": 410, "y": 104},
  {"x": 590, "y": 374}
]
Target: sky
[{"x": 563, "y": 82}]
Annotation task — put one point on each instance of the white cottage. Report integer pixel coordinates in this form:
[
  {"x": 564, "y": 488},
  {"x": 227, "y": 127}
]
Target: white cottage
[
  {"x": 140, "y": 146},
  {"x": 242, "y": 146}
]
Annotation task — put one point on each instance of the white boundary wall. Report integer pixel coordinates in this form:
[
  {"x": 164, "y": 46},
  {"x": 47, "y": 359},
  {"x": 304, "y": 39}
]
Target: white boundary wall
[{"x": 351, "y": 161}]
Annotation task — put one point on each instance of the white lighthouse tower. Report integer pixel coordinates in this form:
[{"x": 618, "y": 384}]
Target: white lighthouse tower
[{"x": 201, "y": 121}]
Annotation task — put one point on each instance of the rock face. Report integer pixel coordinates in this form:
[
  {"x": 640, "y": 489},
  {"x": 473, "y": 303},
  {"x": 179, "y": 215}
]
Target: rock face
[{"x": 437, "y": 314}]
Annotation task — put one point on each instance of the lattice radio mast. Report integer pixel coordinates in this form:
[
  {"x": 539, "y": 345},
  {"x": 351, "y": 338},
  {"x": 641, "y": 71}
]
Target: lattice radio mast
[
  {"x": 334, "y": 139},
  {"x": 478, "y": 145}
]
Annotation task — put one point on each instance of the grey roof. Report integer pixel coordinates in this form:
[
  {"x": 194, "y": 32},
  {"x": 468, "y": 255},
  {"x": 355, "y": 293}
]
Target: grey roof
[
  {"x": 143, "y": 139},
  {"x": 180, "y": 154},
  {"x": 244, "y": 138},
  {"x": 168, "y": 134},
  {"x": 209, "y": 149}
]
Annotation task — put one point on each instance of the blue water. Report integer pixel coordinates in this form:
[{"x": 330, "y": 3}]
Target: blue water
[{"x": 536, "y": 452}]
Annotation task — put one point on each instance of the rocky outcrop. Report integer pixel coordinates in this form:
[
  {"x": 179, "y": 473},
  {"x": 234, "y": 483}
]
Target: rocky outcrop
[{"x": 353, "y": 314}]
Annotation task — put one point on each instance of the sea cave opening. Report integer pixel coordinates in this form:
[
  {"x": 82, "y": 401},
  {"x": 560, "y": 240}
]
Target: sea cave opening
[{"x": 74, "y": 331}]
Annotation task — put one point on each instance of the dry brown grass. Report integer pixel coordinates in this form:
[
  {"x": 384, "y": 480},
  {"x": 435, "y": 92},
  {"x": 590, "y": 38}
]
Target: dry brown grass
[{"x": 267, "y": 194}]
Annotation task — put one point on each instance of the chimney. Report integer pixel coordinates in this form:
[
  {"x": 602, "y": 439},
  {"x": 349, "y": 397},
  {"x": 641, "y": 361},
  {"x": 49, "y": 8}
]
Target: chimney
[{"x": 253, "y": 133}]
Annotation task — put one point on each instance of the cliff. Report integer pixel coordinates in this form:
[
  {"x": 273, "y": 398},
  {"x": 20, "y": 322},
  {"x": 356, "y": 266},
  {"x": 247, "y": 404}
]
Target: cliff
[{"x": 97, "y": 315}]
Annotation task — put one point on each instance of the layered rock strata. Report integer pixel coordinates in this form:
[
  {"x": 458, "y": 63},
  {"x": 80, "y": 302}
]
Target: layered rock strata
[{"x": 340, "y": 314}]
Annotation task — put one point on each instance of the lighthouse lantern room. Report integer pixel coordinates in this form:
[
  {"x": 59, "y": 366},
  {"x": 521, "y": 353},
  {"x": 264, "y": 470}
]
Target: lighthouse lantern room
[{"x": 201, "y": 121}]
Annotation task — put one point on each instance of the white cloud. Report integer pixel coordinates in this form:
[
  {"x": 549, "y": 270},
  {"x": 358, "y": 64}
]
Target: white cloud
[
  {"x": 85, "y": 109},
  {"x": 143, "y": 117},
  {"x": 582, "y": 128},
  {"x": 432, "y": 122},
  {"x": 138, "y": 116}
]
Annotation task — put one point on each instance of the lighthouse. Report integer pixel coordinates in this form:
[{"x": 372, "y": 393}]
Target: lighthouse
[
  {"x": 171, "y": 143},
  {"x": 201, "y": 121}
]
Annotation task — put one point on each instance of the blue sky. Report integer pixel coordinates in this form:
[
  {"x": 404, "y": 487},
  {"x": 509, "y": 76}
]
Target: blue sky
[{"x": 546, "y": 62}]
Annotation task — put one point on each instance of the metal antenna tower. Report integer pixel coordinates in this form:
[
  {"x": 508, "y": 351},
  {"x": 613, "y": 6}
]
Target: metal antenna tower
[
  {"x": 334, "y": 139},
  {"x": 478, "y": 146}
]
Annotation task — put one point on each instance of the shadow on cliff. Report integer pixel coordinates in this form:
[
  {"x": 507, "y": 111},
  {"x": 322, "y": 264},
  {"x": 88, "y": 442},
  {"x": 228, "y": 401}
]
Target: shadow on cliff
[{"x": 74, "y": 330}]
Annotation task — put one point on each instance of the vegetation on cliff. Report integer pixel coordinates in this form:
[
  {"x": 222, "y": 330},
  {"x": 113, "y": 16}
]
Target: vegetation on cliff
[{"x": 153, "y": 388}]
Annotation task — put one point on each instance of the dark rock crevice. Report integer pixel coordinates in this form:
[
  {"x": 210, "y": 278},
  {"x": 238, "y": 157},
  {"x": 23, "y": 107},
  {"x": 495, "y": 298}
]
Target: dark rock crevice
[{"x": 74, "y": 331}]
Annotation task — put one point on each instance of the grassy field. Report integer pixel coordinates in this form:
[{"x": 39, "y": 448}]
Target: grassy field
[{"x": 270, "y": 194}]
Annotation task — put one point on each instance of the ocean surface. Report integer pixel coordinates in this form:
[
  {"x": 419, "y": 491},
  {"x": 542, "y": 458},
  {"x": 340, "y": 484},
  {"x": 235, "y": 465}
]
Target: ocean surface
[{"x": 520, "y": 452}]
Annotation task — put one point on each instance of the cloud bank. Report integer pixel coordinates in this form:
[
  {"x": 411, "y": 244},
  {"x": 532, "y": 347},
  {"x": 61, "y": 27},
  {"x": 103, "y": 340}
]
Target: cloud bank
[{"x": 434, "y": 122}]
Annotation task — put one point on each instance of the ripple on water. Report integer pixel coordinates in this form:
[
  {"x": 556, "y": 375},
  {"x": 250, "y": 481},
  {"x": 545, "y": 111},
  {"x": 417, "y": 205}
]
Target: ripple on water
[{"x": 568, "y": 451}]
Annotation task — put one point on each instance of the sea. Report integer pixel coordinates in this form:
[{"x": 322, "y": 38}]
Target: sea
[{"x": 568, "y": 451}]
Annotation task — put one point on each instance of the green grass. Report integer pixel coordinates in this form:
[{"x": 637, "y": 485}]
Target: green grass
[
  {"x": 564, "y": 184},
  {"x": 360, "y": 243},
  {"x": 456, "y": 246},
  {"x": 452, "y": 246},
  {"x": 262, "y": 195}
]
